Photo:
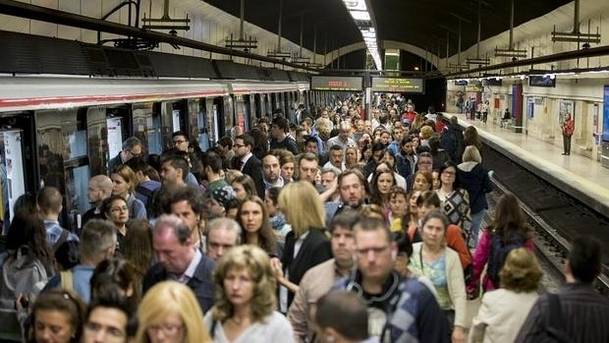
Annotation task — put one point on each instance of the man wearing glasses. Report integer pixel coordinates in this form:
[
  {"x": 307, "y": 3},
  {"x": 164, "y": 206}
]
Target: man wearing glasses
[
  {"x": 180, "y": 141},
  {"x": 132, "y": 148},
  {"x": 400, "y": 309}
]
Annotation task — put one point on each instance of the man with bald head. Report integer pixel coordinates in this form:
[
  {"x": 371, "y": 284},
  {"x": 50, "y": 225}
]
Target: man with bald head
[{"x": 100, "y": 188}]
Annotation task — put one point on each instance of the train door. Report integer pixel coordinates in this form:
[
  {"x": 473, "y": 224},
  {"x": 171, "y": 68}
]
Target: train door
[
  {"x": 194, "y": 109},
  {"x": 250, "y": 108},
  {"x": 203, "y": 126},
  {"x": 118, "y": 122},
  {"x": 242, "y": 112},
  {"x": 258, "y": 105},
  {"x": 146, "y": 118},
  {"x": 64, "y": 157},
  {"x": 173, "y": 119},
  {"x": 17, "y": 161},
  {"x": 220, "y": 117},
  {"x": 229, "y": 115}
]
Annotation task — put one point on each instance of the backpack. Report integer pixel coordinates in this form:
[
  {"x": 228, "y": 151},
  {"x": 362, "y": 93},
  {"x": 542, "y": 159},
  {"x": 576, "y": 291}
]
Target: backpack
[
  {"x": 22, "y": 273},
  {"x": 500, "y": 248}
]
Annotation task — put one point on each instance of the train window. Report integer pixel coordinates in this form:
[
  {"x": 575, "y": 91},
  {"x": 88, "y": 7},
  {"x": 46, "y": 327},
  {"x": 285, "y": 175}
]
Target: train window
[
  {"x": 241, "y": 112},
  {"x": 64, "y": 162},
  {"x": 203, "y": 126},
  {"x": 213, "y": 122},
  {"x": 173, "y": 119},
  {"x": 228, "y": 115},
  {"x": 258, "y": 103},
  {"x": 146, "y": 119}
]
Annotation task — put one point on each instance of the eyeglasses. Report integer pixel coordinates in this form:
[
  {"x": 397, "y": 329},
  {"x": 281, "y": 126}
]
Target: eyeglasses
[{"x": 167, "y": 329}]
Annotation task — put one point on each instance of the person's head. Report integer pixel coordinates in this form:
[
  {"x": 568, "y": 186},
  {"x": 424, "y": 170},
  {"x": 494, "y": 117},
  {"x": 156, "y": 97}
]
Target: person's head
[
  {"x": 244, "y": 144},
  {"x": 222, "y": 235},
  {"x": 107, "y": 319},
  {"x": 351, "y": 156},
  {"x": 336, "y": 156},
  {"x": 57, "y": 316},
  {"x": 584, "y": 260},
  {"x": 254, "y": 220},
  {"x": 174, "y": 169},
  {"x": 115, "y": 274},
  {"x": 423, "y": 181},
  {"x": 309, "y": 214},
  {"x": 116, "y": 209},
  {"x": 375, "y": 249},
  {"x": 378, "y": 152},
  {"x": 271, "y": 169},
  {"x": 433, "y": 228},
  {"x": 186, "y": 203},
  {"x": 385, "y": 137},
  {"x": 97, "y": 242},
  {"x": 398, "y": 133},
  {"x": 279, "y": 127},
  {"x": 380, "y": 186},
  {"x": 170, "y": 312},
  {"x": 426, "y": 132},
  {"x": 406, "y": 145},
  {"x": 310, "y": 145},
  {"x": 180, "y": 141},
  {"x": 343, "y": 243},
  {"x": 244, "y": 186},
  {"x": 352, "y": 187},
  {"x": 132, "y": 148},
  {"x": 308, "y": 166},
  {"x": 212, "y": 163},
  {"x": 49, "y": 201},
  {"x": 123, "y": 180},
  {"x": 341, "y": 316},
  {"x": 287, "y": 162},
  {"x": 435, "y": 177},
  {"x": 271, "y": 201},
  {"x": 225, "y": 144},
  {"x": 100, "y": 188},
  {"x": 448, "y": 174},
  {"x": 508, "y": 215},
  {"x": 471, "y": 137},
  {"x": 398, "y": 202},
  {"x": 425, "y": 162},
  {"x": 138, "y": 245},
  {"x": 404, "y": 246},
  {"x": 328, "y": 176},
  {"x": 521, "y": 271},
  {"x": 244, "y": 277},
  {"x": 344, "y": 131},
  {"x": 173, "y": 243},
  {"x": 471, "y": 154},
  {"x": 426, "y": 202}
]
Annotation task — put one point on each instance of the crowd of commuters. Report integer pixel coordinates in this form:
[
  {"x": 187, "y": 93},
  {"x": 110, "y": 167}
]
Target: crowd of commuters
[{"x": 345, "y": 227}]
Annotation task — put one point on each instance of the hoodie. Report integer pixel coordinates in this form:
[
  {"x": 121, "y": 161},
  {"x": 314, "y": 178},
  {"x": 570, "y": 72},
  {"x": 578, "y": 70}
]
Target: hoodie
[{"x": 472, "y": 177}]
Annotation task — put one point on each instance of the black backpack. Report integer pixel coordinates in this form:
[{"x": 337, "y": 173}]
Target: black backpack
[{"x": 501, "y": 245}]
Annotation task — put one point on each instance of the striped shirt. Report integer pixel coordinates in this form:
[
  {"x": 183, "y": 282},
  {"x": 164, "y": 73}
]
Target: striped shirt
[{"x": 585, "y": 316}]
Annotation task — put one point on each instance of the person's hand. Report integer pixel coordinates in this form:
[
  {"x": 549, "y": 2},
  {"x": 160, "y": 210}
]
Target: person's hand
[
  {"x": 458, "y": 335},
  {"x": 277, "y": 268}
]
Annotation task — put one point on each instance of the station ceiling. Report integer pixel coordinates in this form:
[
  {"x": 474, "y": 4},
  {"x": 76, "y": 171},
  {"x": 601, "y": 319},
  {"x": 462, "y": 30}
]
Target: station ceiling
[{"x": 423, "y": 23}]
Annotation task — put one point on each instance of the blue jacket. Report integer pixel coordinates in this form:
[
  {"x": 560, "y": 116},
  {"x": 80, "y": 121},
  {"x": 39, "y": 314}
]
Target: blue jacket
[
  {"x": 477, "y": 183},
  {"x": 81, "y": 281}
]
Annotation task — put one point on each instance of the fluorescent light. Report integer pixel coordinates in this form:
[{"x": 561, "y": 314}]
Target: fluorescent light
[
  {"x": 358, "y": 5},
  {"x": 360, "y": 15}
]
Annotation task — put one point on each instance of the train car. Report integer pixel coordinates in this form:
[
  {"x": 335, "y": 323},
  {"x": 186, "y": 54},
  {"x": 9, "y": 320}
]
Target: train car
[{"x": 61, "y": 130}]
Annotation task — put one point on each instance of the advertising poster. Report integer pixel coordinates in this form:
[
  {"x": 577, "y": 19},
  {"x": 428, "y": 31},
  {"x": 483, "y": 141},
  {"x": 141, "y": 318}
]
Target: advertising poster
[
  {"x": 176, "y": 120},
  {"x": 606, "y": 114},
  {"x": 566, "y": 107},
  {"x": 13, "y": 163},
  {"x": 115, "y": 136},
  {"x": 530, "y": 107}
]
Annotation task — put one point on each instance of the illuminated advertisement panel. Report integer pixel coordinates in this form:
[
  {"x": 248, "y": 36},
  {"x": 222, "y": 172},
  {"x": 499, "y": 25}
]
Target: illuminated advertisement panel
[
  {"x": 397, "y": 85},
  {"x": 336, "y": 83}
]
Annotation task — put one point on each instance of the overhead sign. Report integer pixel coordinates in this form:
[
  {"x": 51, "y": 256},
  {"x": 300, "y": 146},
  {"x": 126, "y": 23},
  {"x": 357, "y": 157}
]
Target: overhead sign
[
  {"x": 397, "y": 85},
  {"x": 337, "y": 83}
]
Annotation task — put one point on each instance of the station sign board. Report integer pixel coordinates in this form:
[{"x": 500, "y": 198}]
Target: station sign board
[
  {"x": 542, "y": 81},
  {"x": 397, "y": 85},
  {"x": 337, "y": 83}
]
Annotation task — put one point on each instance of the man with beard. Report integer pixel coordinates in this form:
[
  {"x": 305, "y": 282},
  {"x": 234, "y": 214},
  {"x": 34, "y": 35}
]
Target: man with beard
[{"x": 352, "y": 189}]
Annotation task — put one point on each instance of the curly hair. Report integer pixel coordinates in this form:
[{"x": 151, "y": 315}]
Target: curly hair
[
  {"x": 521, "y": 271},
  {"x": 266, "y": 236},
  {"x": 257, "y": 263}
]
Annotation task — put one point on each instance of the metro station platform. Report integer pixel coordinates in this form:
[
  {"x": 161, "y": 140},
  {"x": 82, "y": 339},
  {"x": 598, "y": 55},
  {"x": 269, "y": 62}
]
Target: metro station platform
[{"x": 577, "y": 175}]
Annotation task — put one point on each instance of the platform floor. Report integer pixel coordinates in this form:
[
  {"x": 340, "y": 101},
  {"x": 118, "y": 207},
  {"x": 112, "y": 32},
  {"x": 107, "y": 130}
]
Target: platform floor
[{"x": 580, "y": 172}]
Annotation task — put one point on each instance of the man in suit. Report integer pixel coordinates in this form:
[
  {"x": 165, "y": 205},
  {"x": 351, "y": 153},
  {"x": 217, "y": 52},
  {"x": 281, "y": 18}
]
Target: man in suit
[
  {"x": 132, "y": 147},
  {"x": 178, "y": 260},
  {"x": 247, "y": 163}
]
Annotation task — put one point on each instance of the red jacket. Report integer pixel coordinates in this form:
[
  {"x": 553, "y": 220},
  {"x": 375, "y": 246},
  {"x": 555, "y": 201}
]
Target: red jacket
[{"x": 568, "y": 127}]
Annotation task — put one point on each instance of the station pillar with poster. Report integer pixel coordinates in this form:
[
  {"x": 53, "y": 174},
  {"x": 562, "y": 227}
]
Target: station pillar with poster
[
  {"x": 12, "y": 178},
  {"x": 517, "y": 107}
]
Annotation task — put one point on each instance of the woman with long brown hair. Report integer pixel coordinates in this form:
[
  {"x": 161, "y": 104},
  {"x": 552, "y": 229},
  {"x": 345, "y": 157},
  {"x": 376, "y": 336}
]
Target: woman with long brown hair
[
  {"x": 257, "y": 230},
  {"x": 509, "y": 229}
]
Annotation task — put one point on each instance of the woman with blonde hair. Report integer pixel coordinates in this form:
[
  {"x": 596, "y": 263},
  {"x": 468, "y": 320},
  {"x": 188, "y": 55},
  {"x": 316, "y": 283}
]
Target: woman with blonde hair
[
  {"x": 124, "y": 181},
  {"x": 306, "y": 245},
  {"x": 170, "y": 312},
  {"x": 245, "y": 304},
  {"x": 504, "y": 310}
]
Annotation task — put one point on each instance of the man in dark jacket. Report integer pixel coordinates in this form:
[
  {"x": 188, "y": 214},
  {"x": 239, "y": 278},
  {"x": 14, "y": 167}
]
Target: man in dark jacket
[
  {"x": 178, "y": 260},
  {"x": 247, "y": 163},
  {"x": 452, "y": 140},
  {"x": 280, "y": 139},
  {"x": 132, "y": 147}
]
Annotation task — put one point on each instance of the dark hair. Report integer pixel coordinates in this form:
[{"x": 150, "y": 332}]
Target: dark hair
[
  {"x": 403, "y": 242},
  {"x": 509, "y": 217},
  {"x": 137, "y": 247},
  {"x": 429, "y": 198},
  {"x": 226, "y": 141},
  {"x": 375, "y": 194},
  {"x": 247, "y": 182},
  {"x": 378, "y": 147},
  {"x": 345, "y": 219},
  {"x": 309, "y": 139},
  {"x": 336, "y": 147},
  {"x": 179, "y": 133},
  {"x": 115, "y": 273},
  {"x": 184, "y": 193},
  {"x": 267, "y": 240},
  {"x": 65, "y": 302},
  {"x": 28, "y": 231},
  {"x": 281, "y": 123},
  {"x": 26, "y": 204},
  {"x": 273, "y": 194},
  {"x": 111, "y": 297},
  {"x": 212, "y": 160},
  {"x": 247, "y": 140},
  {"x": 137, "y": 164},
  {"x": 434, "y": 144},
  {"x": 106, "y": 206},
  {"x": 344, "y": 312},
  {"x": 177, "y": 161},
  {"x": 585, "y": 258}
]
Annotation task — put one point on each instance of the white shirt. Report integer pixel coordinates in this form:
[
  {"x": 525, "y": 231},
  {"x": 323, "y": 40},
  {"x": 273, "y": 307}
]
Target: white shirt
[{"x": 245, "y": 159}]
